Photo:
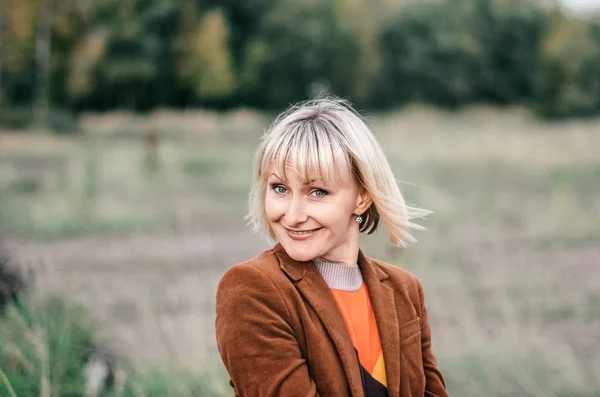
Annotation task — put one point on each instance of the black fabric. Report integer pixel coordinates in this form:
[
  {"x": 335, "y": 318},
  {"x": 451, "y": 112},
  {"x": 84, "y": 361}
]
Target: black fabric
[{"x": 371, "y": 386}]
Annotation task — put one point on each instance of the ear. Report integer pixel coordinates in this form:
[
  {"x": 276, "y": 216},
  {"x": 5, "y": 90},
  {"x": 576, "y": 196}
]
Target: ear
[{"x": 363, "y": 201}]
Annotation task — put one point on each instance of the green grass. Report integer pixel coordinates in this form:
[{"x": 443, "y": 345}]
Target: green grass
[
  {"x": 111, "y": 185},
  {"x": 58, "y": 216},
  {"x": 45, "y": 345},
  {"x": 166, "y": 383}
]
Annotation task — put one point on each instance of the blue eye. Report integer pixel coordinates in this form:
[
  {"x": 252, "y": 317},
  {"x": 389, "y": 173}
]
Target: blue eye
[
  {"x": 320, "y": 193},
  {"x": 278, "y": 189}
]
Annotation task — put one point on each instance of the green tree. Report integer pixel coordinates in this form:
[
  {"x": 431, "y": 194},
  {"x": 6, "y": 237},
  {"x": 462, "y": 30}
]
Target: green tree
[
  {"x": 304, "y": 47},
  {"x": 461, "y": 51},
  {"x": 140, "y": 54},
  {"x": 430, "y": 55},
  {"x": 510, "y": 34},
  {"x": 130, "y": 63},
  {"x": 35, "y": 34},
  {"x": 245, "y": 19}
]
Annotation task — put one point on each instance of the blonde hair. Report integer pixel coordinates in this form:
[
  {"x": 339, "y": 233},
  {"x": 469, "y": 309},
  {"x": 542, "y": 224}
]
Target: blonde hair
[{"x": 327, "y": 135}]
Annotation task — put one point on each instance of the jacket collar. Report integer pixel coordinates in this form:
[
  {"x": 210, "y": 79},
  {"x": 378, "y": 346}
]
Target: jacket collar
[
  {"x": 311, "y": 285},
  {"x": 297, "y": 270}
]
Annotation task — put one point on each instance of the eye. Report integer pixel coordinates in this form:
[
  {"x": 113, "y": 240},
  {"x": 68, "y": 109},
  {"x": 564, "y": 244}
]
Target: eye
[
  {"x": 319, "y": 193},
  {"x": 278, "y": 189}
]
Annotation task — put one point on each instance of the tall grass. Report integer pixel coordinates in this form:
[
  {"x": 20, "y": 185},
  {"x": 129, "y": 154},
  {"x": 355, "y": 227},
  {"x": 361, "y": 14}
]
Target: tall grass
[{"x": 45, "y": 345}]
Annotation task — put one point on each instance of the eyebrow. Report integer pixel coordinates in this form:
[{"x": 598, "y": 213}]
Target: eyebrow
[
  {"x": 276, "y": 176},
  {"x": 306, "y": 183}
]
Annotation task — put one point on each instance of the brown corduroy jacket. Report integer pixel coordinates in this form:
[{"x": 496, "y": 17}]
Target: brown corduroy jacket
[{"x": 280, "y": 333}]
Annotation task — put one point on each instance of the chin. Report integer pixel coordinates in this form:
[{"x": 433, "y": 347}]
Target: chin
[{"x": 299, "y": 252}]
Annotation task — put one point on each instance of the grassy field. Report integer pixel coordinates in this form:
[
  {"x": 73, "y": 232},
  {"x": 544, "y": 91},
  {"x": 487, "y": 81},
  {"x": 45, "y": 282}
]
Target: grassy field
[{"x": 136, "y": 218}]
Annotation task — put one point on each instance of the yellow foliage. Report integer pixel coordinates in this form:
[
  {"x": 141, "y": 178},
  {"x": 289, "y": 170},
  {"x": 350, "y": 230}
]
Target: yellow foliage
[
  {"x": 569, "y": 53},
  {"x": 207, "y": 62},
  {"x": 358, "y": 20},
  {"x": 86, "y": 56},
  {"x": 20, "y": 25},
  {"x": 569, "y": 39},
  {"x": 22, "y": 20}
]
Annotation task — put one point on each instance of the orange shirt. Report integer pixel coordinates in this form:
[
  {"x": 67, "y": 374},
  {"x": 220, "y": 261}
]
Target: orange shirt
[{"x": 358, "y": 314}]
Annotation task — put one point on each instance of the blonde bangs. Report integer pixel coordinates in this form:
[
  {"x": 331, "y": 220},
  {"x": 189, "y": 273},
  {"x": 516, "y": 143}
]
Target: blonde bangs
[{"x": 310, "y": 151}]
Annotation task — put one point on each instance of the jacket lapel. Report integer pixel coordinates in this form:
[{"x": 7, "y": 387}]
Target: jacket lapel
[
  {"x": 384, "y": 306},
  {"x": 314, "y": 289}
]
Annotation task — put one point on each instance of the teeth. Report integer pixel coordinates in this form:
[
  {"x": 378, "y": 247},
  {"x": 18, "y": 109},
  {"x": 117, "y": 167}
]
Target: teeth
[{"x": 302, "y": 232}]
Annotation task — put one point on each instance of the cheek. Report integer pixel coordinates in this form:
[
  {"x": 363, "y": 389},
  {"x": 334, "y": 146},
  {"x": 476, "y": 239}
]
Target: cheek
[
  {"x": 334, "y": 217},
  {"x": 340, "y": 217},
  {"x": 273, "y": 209}
]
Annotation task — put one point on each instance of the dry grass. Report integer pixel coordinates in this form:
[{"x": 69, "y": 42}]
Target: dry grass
[{"x": 509, "y": 262}]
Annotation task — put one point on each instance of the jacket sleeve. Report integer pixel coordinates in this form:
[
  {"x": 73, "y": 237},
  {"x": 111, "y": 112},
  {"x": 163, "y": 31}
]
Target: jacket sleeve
[
  {"x": 255, "y": 338},
  {"x": 435, "y": 385}
]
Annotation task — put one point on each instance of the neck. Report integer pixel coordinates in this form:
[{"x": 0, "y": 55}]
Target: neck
[
  {"x": 346, "y": 253},
  {"x": 346, "y": 262}
]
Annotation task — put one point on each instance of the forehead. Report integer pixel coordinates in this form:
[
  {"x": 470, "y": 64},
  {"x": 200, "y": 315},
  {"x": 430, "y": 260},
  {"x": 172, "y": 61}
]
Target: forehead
[
  {"x": 290, "y": 173},
  {"x": 312, "y": 154},
  {"x": 307, "y": 171}
]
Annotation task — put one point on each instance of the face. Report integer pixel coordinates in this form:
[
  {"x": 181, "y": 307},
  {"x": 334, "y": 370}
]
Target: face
[{"x": 313, "y": 220}]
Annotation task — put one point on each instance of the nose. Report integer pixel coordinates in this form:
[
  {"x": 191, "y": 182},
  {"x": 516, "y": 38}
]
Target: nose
[{"x": 295, "y": 213}]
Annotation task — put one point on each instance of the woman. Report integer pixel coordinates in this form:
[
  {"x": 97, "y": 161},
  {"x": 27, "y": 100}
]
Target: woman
[{"x": 315, "y": 316}]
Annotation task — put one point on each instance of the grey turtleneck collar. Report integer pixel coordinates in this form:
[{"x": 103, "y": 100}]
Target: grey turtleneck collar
[{"x": 339, "y": 276}]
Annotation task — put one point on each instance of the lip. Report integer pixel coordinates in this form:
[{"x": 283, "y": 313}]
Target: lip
[{"x": 300, "y": 235}]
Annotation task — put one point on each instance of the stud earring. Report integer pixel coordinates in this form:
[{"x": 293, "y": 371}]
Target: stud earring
[{"x": 359, "y": 219}]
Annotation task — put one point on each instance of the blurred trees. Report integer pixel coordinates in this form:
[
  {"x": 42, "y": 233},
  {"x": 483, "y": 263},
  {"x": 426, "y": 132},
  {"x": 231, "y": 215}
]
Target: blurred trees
[
  {"x": 305, "y": 47},
  {"x": 142, "y": 54},
  {"x": 570, "y": 72},
  {"x": 463, "y": 51},
  {"x": 205, "y": 59},
  {"x": 125, "y": 58}
]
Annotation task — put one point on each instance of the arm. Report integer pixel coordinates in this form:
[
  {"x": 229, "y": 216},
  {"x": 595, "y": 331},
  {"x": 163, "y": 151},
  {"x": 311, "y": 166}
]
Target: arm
[
  {"x": 435, "y": 385},
  {"x": 255, "y": 338}
]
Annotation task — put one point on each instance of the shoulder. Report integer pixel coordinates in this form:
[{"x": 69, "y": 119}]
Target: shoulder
[
  {"x": 401, "y": 280},
  {"x": 256, "y": 287},
  {"x": 396, "y": 273},
  {"x": 265, "y": 265},
  {"x": 260, "y": 275}
]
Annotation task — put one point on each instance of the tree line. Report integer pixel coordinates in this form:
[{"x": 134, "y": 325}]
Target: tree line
[{"x": 142, "y": 54}]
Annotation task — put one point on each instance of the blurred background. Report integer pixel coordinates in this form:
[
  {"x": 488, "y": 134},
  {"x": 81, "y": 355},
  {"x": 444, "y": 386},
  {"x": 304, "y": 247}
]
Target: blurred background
[{"x": 127, "y": 129}]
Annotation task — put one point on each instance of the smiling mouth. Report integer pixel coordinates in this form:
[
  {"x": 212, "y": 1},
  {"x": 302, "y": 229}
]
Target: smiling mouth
[{"x": 302, "y": 232}]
